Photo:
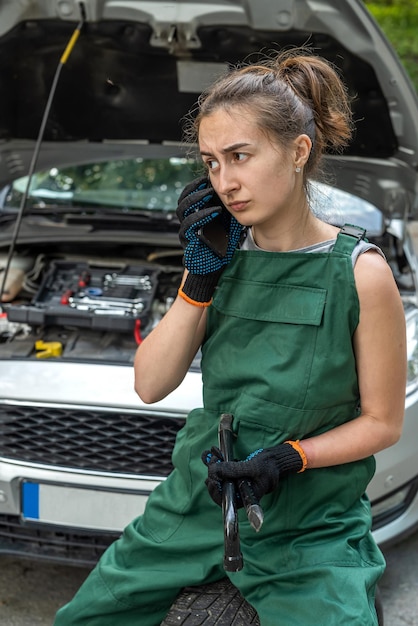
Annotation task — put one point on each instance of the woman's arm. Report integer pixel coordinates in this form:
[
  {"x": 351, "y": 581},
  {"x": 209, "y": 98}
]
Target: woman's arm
[
  {"x": 380, "y": 348},
  {"x": 165, "y": 355}
]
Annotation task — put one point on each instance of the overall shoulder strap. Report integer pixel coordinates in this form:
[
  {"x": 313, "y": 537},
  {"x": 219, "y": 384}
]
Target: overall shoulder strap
[{"x": 348, "y": 238}]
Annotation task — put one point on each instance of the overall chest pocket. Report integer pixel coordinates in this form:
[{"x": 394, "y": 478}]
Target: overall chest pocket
[
  {"x": 271, "y": 302},
  {"x": 267, "y": 333}
]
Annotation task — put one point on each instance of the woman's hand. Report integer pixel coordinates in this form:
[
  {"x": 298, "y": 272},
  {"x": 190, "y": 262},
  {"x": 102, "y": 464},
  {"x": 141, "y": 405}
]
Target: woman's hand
[{"x": 198, "y": 207}]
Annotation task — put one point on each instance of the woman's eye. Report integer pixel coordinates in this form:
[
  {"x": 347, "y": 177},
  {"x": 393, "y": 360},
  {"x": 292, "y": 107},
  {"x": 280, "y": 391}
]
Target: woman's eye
[
  {"x": 212, "y": 164},
  {"x": 239, "y": 156}
]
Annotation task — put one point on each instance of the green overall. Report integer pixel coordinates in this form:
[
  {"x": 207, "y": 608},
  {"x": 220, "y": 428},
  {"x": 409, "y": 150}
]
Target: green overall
[{"x": 278, "y": 355}]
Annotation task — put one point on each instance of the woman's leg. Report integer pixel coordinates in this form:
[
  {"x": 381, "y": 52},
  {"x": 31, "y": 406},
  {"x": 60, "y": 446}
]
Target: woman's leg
[{"x": 139, "y": 576}]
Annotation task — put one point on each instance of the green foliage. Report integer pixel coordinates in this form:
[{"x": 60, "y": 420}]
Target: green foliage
[
  {"x": 399, "y": 21},
  {"x": 395, "y": 3}
]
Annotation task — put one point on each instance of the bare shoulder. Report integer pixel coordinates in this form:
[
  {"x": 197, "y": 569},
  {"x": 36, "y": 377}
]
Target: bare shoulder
[
  {"x": 374, "y": 278},
  {"x": 382, "y": 316}
]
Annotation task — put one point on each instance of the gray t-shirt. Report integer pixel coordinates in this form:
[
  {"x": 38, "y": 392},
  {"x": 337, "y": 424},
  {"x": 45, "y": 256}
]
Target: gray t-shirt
[{"x": 324, "y": 246}]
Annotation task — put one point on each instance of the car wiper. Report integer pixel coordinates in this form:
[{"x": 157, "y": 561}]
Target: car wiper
[
  {"x": 7, "y": 217},
  {"x": 81, "y": 215},
  {"x": 75, "y": 214},
  {"x": 104, "y": 219}
]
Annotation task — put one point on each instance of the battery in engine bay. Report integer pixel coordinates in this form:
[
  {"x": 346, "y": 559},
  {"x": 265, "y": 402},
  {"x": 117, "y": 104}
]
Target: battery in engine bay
[{"x": 91, "y": 296}]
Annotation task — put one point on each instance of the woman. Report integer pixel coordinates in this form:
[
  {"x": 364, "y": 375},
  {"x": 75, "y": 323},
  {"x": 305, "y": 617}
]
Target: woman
[{"x": 303, "y": 342}]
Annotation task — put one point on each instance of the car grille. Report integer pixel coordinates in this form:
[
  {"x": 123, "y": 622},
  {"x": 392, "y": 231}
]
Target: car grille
[
  {"x": 77, "y": 548},
  {"x": 97, "y": 440}
]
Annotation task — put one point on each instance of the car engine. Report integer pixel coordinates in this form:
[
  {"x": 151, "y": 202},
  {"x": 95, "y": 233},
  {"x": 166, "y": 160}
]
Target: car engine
[{"x": 89, "y": 309}]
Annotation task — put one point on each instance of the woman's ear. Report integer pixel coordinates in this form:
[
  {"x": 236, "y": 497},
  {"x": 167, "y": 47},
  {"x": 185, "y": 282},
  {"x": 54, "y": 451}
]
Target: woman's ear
[{"x": 303, "y": 147}]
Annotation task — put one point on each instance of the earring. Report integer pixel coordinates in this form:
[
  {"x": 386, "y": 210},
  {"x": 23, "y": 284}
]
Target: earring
[{"x": 297, "y": 170}]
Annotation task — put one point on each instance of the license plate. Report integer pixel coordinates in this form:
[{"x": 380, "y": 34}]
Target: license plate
[{"x": 79, "y": 507}]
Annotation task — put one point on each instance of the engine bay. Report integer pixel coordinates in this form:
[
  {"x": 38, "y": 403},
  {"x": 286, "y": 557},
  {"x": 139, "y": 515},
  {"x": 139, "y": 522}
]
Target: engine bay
[
  {"x": 95, "y": 302},
  {"x": 84, "y": 307}
]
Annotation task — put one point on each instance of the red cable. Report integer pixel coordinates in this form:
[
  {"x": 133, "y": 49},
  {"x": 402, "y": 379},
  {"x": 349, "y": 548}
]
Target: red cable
[{"x": 137, "y": 332}]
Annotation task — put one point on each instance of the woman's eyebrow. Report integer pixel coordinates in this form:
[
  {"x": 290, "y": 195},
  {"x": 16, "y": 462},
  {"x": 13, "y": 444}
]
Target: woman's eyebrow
[{"x": 233, "y": 148}]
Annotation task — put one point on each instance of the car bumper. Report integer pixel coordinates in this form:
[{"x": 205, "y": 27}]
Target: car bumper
[{"x": 46, "y": 511}]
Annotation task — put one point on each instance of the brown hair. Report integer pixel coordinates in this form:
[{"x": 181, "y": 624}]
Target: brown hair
[{"x": 291, "y": 94}]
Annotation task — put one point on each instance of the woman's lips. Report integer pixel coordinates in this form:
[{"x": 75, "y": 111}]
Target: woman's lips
[{"x": 237, "y": 206}]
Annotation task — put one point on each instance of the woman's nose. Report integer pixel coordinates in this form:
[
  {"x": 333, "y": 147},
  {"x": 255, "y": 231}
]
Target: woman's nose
[{"x": 227, "y": 182}]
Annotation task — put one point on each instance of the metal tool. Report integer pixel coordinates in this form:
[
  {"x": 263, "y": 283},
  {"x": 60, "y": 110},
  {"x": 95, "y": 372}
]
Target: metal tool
[
  {"x": 252, "y": 507},
  {"x": 86, "y": 303},
  {"x": 233, "y": 561}
]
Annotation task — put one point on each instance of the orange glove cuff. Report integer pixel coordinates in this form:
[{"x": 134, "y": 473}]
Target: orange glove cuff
[
  {"x": 194, "y": 302},
  {"x": 296, "y": 446}
]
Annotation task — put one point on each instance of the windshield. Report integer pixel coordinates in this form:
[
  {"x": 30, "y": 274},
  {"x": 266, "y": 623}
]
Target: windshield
[
  {"x": 125, "y": 184},
  {"x": 129, "y": 185},
  {"x": 339, "y": 207}
]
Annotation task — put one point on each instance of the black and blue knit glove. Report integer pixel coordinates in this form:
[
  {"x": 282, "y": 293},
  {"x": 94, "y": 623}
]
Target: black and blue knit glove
[
  {"x": 199, "y": 205},
  {"x": 264, "y": 468}
]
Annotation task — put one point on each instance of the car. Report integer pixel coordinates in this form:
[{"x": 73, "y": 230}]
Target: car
[{"x": 92, "y": 161}]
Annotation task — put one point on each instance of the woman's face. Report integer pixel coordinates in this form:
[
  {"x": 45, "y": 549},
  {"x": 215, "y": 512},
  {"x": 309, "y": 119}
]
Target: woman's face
[{"x": 254, "y": 177}]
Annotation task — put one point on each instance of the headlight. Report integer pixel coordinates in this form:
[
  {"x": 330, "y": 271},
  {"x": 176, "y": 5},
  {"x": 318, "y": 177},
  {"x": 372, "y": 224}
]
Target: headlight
[
  {"x": 412, "y": 349},
  {"x": 390, "y": 506},
  {"x": 393, "y": 505}
]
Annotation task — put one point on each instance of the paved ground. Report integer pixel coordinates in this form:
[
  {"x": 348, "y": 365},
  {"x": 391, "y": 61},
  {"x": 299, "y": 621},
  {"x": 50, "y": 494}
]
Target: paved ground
[
  {"x": 30, "y": 593},
  {"x": 399, "y": 585}
]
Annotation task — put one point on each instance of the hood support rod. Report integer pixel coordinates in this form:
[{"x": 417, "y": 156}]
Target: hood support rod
[{"x": 37, "y": 148}]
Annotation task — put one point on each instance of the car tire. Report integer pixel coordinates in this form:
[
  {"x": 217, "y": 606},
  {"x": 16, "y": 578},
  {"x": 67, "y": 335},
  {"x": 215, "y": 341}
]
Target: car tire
[
  {"x": 221, "y": 604},
  {"x": 215, "y": 604}
]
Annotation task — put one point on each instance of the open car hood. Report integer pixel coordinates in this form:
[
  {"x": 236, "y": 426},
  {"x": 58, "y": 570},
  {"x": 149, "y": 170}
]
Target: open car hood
[{"x": 139, "y": 66}]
